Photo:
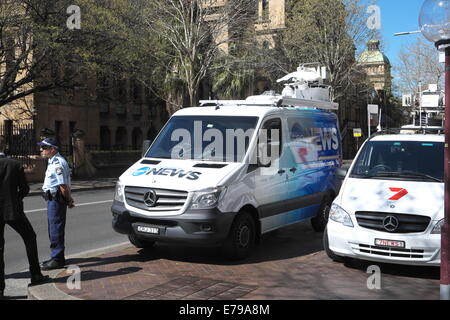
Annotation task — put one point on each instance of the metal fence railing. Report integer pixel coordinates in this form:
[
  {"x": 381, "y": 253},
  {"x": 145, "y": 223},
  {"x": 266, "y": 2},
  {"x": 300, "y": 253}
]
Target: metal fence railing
[
  {"x": 20, "y": 141},
  {"x": 21, "y": 145}
]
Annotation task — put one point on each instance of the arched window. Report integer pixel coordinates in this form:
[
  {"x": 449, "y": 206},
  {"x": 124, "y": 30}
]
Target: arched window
[
  {"x": 121, "y": 138},
  {"x": 151, "y": 134},
  {"x": 136, "y": 139},
  {"x": 105, "y": 138}
]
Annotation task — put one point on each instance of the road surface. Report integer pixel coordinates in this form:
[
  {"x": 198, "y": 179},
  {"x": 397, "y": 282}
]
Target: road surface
[{"x": 88, "y": 227}]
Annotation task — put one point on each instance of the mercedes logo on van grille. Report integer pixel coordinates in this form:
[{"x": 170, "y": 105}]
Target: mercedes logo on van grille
[
  {"x": 390, "y": 223},
  {"x": 150, "y": 198}
]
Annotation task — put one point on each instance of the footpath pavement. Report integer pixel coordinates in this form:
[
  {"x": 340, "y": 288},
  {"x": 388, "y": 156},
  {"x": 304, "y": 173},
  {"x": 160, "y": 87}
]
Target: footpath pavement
[{"x": 289, "y": 265}]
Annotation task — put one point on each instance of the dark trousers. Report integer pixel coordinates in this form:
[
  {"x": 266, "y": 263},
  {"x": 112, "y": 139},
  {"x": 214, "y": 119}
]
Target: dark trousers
[
  {"x": 56, "y": 213},
  {"x": 23, "y": 227}
]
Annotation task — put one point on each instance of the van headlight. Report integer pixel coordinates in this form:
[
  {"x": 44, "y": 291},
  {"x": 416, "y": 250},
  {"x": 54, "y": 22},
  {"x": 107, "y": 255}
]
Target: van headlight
[
  {"x": 438, "y": 226},
  {"x": 118, "y": 193},
  {"x": 207, "y": 199},
  {"x": 340, "y": 215}
]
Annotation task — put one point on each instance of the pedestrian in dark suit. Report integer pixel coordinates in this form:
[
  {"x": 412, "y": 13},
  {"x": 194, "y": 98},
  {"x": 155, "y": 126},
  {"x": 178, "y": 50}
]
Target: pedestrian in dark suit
[{"x": 13, "y": 188}]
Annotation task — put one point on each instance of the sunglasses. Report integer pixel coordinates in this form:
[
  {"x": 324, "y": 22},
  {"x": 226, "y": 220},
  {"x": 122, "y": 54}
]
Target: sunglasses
[{"x": 44, "y": 147}]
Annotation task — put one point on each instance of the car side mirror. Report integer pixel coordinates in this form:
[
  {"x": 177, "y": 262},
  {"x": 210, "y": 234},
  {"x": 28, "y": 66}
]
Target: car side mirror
[
  {"x": 342, "y": 171},
  {"x": 145, "y": 145}
]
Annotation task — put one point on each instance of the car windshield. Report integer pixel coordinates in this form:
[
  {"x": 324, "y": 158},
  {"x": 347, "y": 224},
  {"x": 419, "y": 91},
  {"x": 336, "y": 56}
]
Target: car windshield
[
  {"x": 211, "y": 138},
  {"x": 400, "y": 160}
]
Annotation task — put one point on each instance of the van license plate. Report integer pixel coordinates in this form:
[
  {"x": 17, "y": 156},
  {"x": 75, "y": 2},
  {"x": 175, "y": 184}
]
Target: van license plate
[
  {"x": 389, "y": 243},
  {"x": 151, "y": 230}
]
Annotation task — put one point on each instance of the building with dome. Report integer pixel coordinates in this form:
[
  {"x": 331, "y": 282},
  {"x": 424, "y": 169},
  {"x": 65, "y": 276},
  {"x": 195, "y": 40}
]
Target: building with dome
[{"x": 377, "y": 66}]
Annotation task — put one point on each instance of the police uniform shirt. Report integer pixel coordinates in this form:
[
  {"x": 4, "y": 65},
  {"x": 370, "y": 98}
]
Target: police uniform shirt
[{"x": 58, "y": 172}]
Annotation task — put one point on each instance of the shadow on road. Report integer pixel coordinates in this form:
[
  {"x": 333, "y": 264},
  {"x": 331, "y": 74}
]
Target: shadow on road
[
  {"x": 18, "y": 275},
  {"x": 16, "y": 297},
  {"x": 420, "y": 272},
  {"x": 290, "y": 242},
  {"x": 95, "y": 275}
]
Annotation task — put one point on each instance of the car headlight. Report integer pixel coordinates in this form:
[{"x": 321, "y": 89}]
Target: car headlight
[
  {"x": 207, "y": 199},
  {"x": 340, "y": 215},
  {"x": 438, "y": 226},
  {"x": 118, "y": 193}
]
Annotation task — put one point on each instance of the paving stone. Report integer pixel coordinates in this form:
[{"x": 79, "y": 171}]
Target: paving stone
[{"x": 293, "y": 266}]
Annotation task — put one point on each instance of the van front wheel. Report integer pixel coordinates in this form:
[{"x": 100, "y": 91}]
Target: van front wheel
[
  {"x": 241, "y": 238},
  {"x": 319, "y": 222}
]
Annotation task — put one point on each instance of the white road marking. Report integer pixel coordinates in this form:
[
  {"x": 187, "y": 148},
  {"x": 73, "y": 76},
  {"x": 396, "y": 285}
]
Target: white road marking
[{"x": 76, "y": 205}]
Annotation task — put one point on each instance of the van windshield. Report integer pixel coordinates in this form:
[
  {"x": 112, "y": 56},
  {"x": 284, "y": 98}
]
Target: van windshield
[
  {"x": 211, "y": 138},
  {"x": 401, "y": 160}
]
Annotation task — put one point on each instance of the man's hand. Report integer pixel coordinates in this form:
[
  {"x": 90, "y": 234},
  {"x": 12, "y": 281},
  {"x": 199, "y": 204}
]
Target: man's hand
[
  {"x": 65, "y": 191},
  {"x": 71, "y": 203}
]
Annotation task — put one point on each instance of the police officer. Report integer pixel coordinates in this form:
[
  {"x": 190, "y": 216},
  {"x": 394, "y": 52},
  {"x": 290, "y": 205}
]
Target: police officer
[{"x": 57, "y": 194}]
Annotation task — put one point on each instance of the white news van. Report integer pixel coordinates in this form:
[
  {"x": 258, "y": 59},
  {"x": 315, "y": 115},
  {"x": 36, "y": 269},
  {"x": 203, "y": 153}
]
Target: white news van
[
  {"x": 390, "y": 207},
  {"x": 227, "y": 172}
]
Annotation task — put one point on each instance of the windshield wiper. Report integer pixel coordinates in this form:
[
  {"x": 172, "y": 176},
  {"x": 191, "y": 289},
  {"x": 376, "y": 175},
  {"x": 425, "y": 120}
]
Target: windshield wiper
[
  {"x": 399, "y": 174},
  {"x": 378, "y": 174},
  {"x": 419, "y": 174}
]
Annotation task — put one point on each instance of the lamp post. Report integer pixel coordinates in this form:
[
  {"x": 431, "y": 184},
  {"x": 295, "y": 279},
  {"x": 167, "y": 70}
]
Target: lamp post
[{"x": 434, "y": 22}]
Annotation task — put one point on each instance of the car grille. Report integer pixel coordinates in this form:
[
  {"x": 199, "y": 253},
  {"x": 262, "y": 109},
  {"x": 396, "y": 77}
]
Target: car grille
[
  {"x": 402, "y": 253},
  {"x": 408, "y": 223},
  {"x": 167, "y": 200}
]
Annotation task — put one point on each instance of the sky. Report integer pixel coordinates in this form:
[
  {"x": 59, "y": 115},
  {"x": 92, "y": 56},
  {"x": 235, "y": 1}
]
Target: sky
[{"x": 399, "y": 16}]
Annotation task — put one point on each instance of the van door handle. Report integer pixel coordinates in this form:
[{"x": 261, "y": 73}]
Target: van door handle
[
  {"x": 293, "y": 169},
  {"x": 281, "y": 171}
]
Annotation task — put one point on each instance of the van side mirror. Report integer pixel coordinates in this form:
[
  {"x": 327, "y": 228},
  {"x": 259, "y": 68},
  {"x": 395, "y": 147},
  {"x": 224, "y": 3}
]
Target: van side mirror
[
  {"x": 262, "y": 160},
  {"x": 342, "y": 171},
  {"x": 145, "y": 145},
  {"x": 263, "y": 163}
]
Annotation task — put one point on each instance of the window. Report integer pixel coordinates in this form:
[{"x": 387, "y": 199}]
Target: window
[
  {"x": 400, "y": 160},
  {"x": 265, "y": 8},
  {"x": 212, "y": 138},
  {"x": 272, "y": 130}
]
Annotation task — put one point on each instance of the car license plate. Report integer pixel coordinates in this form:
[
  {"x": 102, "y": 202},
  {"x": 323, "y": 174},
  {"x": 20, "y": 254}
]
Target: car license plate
[
  {"x": 151, "y": 230},
  {"x": 389, "y": 243}
]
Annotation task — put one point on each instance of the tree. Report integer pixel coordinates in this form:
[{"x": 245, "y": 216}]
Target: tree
[
  {"x": 419, "y": 65},
  {"x": 38, "y": 52},
  {"x": 196, "y": 32},
  {"x": 325, "y": 31},
  {"x": 30, "y": 43}
]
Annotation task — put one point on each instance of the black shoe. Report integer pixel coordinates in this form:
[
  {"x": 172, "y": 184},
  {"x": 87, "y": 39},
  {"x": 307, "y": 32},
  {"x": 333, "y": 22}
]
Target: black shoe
[
  {"x": 52, "y": 264},
  {"x": 38, "y": 279},
  {"x": 45, "y": 262}
]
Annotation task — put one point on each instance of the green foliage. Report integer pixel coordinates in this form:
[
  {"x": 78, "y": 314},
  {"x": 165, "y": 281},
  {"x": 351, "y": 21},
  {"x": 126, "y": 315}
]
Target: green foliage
[{"x": 233, "y": 75}]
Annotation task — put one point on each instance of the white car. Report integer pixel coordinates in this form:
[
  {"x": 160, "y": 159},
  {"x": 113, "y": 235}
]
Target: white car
[{"x": 390, "y": 207}]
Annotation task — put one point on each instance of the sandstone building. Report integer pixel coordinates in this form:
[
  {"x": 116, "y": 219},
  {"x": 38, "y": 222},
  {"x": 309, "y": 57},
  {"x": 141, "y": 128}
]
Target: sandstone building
[{"x": 377, "y": 66}]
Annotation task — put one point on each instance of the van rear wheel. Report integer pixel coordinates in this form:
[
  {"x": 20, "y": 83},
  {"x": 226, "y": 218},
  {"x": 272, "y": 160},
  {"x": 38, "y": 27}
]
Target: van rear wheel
[
  {"x": 140, "y": 243},
  {"x": 241, "y": 238},
  {"x": 319, "y": 222}
]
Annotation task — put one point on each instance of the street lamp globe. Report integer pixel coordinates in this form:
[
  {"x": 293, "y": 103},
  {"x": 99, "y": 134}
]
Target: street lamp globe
[{"x": 434, "y": 21}]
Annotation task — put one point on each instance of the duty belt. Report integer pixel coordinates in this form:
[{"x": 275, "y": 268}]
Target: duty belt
[{"x": 48, "y": 196}]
